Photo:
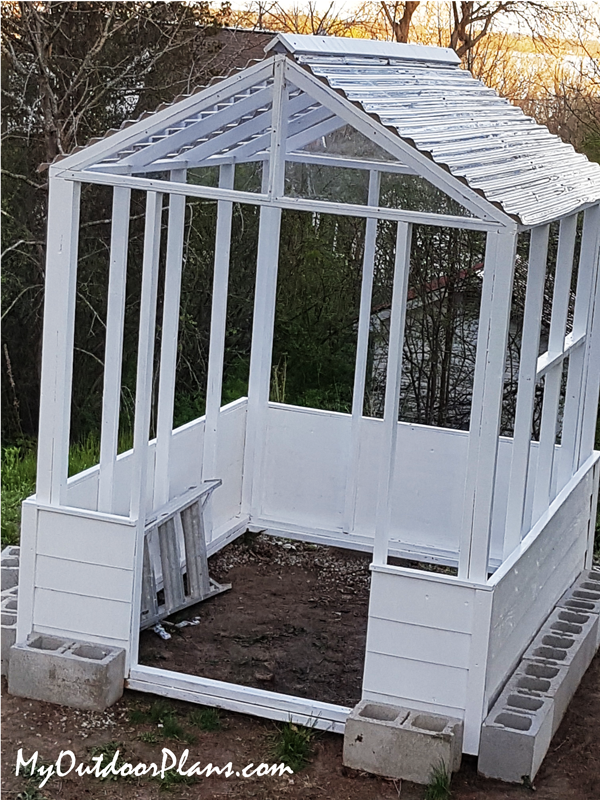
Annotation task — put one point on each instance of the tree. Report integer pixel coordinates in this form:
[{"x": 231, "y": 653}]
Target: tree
[{"x": 70, "y": 71}]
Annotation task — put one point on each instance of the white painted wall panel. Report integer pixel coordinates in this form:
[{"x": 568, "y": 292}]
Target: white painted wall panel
[
  {"x": 435, "y": 684},
  {"x": 87, "y": 579},
  {"x": 82, "y": 490},
  {"x": 415, "y": 642},
  {"x": 303, "y": 473},
  {"x": 306, "y": 460},
  {"x": 81, "y": 615},
  {"x": 184, "y": 467},
  {"x": 92, "y": 541},
  {"x": 419, "y": 640},
  {"x": 421, "y": 601},
  {"x": 527, "y": 588}
]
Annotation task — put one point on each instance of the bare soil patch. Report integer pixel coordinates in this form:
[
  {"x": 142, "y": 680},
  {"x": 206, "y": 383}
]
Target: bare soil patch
[{"x": 294, "y": 622}]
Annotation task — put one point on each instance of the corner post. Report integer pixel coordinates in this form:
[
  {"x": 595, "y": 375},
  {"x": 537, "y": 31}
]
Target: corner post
[{"x": 58, "y": 339}]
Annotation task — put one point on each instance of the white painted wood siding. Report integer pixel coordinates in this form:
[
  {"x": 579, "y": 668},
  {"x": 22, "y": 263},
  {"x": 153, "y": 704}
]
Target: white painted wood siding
[
  {"x": 83, "y": 577},
  {"x": 305, "y": 473},
  {"x": 531, "y": 581},
  {"x": 184, "y": 467},
  {"x": 418, "y": 641}
]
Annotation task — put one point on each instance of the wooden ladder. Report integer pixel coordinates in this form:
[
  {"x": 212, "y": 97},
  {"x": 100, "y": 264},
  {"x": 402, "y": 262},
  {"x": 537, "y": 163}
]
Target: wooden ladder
[{"x": 171, "y": 582}]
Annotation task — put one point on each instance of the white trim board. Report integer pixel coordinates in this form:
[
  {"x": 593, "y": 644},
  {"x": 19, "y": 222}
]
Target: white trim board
[{"x": 243, "y": 699}]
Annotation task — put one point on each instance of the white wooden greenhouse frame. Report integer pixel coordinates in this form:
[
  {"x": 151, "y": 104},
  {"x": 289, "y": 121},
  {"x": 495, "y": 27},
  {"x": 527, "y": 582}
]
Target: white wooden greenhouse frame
[{"x": 514, "y": 516}]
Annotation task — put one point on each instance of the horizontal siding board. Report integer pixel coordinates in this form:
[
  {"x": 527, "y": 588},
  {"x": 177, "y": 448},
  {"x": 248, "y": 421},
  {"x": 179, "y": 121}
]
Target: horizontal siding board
[
  {"x": 87, "y": 579},
  {"x": 89, "y": 637},
  {"x": 83, "y": 615},
  {"x": 414, "y": 642},
  {"x": 87, "y": 540},
  {"x": 406, "y": 702},
  {"x": 421, "y": 602},
  {"x": 419, "y": 680}
]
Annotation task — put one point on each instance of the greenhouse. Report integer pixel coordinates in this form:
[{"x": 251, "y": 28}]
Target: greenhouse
[{"x": 498, "y": 487}]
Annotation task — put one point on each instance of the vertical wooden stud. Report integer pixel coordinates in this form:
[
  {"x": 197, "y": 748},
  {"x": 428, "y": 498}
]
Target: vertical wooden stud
[
  {"x": 362, "y": 352},
  {"x": 143, "y": 387},
  {"x": 487, "y": 404},
  {"x": 113, "y": 351},
  {"x": 218, "y": 324},
  {"x": 59, "y": 324},
  {"x": 168, "y": 349},
  {"x": 553, "y": 378},
  {"x": 591, "y": 374},
  {"x": 530, "y": 343},
  {"x": 575, "y": 396},
  {"x": 392, "y": 393},
  {"x": 265, "y": 300}
]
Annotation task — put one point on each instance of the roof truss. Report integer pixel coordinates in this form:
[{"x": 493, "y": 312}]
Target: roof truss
[{"x": 231, "y": 122}]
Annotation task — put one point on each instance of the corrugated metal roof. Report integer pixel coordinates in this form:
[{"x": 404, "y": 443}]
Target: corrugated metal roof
[{"x": 442, "y": 110}]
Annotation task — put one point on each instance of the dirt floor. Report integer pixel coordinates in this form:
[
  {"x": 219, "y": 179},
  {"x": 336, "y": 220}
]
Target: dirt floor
[{"x": 294, "y": 621}]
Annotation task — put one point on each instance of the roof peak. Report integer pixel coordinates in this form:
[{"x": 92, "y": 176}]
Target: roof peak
[{"x": 302, "y": 44}]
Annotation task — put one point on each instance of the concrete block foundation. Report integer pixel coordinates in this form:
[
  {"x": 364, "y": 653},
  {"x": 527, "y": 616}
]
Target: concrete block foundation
[
  {"x": 518, "y": 730},
  {"x": 584, "y": 596},
  {"x": 401, "y": 743},
  {"x": 67, "y": 672},
  {"x": 515, "y": 737},
  {"x": 8, "y": 609},
  {"x": 9, "y": 565}
]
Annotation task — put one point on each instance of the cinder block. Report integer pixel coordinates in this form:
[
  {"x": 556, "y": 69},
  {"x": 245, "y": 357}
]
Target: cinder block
[
  {"x": 515, "y": 737},
  {"x": 566, "y": 643},
  {"x": 401, "y": 743},
  {"x": 584, "y": 596},
  {"x": 549, "y": 681},
  {"x": 9, "y": 565},
  {"x": 67, "y": 672},
  {"x": 9, "y": 631}
]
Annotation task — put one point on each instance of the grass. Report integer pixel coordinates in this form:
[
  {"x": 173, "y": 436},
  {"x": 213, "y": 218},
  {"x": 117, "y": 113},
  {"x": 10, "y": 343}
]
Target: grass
[
  {"x": 207, "y": 719},
  {"x": 292, "y": 744},
  {"x": 164, "y": 716},
  {"x": 107, "y": 751},
  {"x": 19, "y": 463},
  {"x": 18, "y": 482},
  {"x": 438, "y": 787}
]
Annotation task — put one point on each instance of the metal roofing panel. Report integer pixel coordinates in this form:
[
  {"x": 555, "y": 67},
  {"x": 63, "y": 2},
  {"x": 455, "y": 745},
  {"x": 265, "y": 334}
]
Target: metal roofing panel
[
  {"x": 342, "y": 46},
  {"x": 442, "y": 110}
]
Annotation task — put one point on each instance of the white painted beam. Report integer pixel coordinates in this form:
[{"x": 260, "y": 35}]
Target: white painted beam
[
  {"x": 392, "y": 393},
  {"x": 486, "y": 405},
  {"x": 591, "y": 372},
  {"x": 553, "y": 378},
  {"x": 263, "y": 321},
  {"x": 530, "y": 342},
  {"x": 575, "y": 395},
  {"x": 169, "y": 338},
  {"x": 362, "y": 352},
  {"x": 113, "y": 352},
  {"x": 218, "y": 324},
  {"x": 59, "y": 323},
  {"x": 145, "y": 359},
  {"x": 297, "y": 203}
]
